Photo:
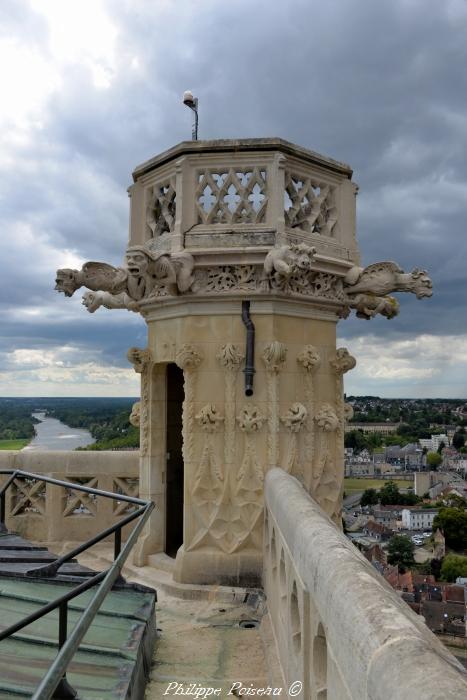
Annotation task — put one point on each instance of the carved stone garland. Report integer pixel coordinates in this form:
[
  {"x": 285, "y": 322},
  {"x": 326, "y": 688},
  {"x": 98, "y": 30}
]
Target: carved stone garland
[
  {"x": 310, "y": 359},
  {"x": 208, "y": 481},
  {"x": 343, "y": 362},
  {"x": 326, "y": 486},
  {"x": 294, "y": 421},
  {"x": 141, "y": 361},
  {"x": 238, "y": 512},
  {"x": 230, "y": 358},
  {"x": 249, "y": 481},
  {"x": 273, "y": 356},
  {"x": 188, "y": 358}
]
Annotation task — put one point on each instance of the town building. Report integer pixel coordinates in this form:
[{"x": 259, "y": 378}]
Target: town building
[
  {"x": 377, "y": 531},
  {"x": 390, "y": 516},
  {"x": 418, "y": 518},
  {"x": 432, "y": 444},
  {"x": 385, "y": 428}
]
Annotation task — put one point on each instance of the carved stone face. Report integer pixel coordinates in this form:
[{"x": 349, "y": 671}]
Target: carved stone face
[
  {"x": 302, "y": 257},
  {"x": 136, "y": 263},
  {"x": 66, "y": 282},
  {"x": 422, "y": 284},
  {"x": 303, "y": 262}
]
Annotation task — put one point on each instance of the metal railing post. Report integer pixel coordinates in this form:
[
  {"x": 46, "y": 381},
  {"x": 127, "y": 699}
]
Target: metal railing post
[
  {"x": 117, "y": 542},
  {"x": 54, "y": 685},
  {"x": 2, "y": 512},
  {"x": 64, "y": 690}
]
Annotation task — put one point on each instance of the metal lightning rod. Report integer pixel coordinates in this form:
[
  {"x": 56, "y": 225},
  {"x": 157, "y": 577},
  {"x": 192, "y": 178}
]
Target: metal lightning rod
[{"x": 192, "y": 103}]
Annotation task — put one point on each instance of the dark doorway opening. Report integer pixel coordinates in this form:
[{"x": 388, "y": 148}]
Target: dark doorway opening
[{"x": 174, "y": 473}]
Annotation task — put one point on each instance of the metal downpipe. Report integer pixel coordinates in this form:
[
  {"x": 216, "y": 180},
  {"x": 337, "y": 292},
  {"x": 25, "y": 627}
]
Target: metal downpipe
[{"x": 249, "y": 370}]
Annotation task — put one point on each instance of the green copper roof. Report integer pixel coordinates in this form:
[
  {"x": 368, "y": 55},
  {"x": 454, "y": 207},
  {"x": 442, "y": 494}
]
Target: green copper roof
[{"x": 104, "y": 666}]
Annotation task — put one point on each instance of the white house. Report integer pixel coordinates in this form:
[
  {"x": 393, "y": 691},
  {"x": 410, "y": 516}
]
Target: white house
[{"x": 418, "y": 518}]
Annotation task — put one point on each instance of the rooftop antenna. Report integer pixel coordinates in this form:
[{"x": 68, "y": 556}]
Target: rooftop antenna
[{"x": 192, "y": 103}]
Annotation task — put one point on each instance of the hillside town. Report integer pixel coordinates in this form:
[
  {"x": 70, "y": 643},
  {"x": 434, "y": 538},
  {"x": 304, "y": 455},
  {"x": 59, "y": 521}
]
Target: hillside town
[{"x": 405, "y": 505}]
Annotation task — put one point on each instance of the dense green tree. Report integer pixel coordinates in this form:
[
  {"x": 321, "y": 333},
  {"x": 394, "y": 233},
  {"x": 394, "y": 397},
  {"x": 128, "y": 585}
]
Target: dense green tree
[
  {"x": 374, "y": 440},
  {"x": 458, "y": 439},
  {"x": 433, "y": 460},
  {"x": 355, "y": 439},
  {"x": 453, "y": 523},
  {"x": 441, "y": 447},
  {"x": 455, "y": 501},
  {"x": 369, "y": 497},
  {"x": 400, "y": 552},
  {"x": 453, "y": 566},
  {"x": 409, "y": 499},
  {"x": 389, "y": 494}
]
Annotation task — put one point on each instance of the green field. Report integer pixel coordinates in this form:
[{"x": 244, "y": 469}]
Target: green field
[
  {"x": 13, "y": 444},
  {"x": 351, "y": 485}
]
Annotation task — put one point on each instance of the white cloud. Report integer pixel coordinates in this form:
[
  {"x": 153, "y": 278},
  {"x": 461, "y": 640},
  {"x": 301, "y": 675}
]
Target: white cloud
[
  {"x": 60, "y": 372},
  {"x": 92, "y": 87},
  {"x": 415, "y": 365},
  {"x": 80, "y": 33}
]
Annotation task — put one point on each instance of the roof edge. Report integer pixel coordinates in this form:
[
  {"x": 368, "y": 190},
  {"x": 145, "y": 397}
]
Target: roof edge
[{"x": 234, "y": 145}]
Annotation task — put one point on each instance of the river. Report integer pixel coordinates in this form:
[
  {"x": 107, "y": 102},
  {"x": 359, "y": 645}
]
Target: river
[{"x": 52, "y": 434}]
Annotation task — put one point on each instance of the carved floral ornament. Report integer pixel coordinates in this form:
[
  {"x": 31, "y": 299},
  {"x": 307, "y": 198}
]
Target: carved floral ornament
[
  {"x": 295, "y": 418},
  {"x": 209, "y": 418},
  {"x": 309, "y": 358},
  {"x": 343, "y": 361},
  {"x": 230, "y": 357},
  {"x": 149, "y": 274},
  {"x": 188, "y": 357},
  {"x": 326, "y": 418},
  {"x": 250, "y": 419},
  {"x": 135, "y": 415},
  {"x": 348, "y": 411},
  {"x": 139, "y": 358},
  {"x": 274, "y": 356}
]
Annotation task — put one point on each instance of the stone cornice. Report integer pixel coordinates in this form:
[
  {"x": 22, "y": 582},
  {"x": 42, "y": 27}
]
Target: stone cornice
[{"x": 243, "y": 146}]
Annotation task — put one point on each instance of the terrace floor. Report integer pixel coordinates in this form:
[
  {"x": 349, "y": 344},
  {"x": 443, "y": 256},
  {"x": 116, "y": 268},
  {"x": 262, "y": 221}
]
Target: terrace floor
[{"x": 215, "y": 637}]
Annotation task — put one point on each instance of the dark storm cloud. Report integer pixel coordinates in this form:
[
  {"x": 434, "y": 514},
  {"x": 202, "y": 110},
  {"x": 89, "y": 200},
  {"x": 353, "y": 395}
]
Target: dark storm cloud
[{"x": 380, "y": 85}]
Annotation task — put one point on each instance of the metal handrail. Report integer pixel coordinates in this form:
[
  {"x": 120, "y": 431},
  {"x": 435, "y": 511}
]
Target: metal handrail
[{"x": 54, "y": 684}]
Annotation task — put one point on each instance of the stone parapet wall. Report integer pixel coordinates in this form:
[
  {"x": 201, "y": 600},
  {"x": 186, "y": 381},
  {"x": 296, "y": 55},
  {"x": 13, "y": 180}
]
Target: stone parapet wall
[
  {"x": 48, "y": 513},
  {"x": 340, "y": 629}
]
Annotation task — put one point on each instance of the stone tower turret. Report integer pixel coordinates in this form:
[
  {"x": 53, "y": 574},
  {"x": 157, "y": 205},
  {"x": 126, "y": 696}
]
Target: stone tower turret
[{"x": 229, "y": 240}]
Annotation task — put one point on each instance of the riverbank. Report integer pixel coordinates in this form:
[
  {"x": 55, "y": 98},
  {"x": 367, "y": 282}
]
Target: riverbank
[{"x": 14, "y": 444}]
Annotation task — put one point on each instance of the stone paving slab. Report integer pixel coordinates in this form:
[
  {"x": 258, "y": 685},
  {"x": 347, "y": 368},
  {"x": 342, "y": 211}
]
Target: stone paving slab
[{"x": 199, "y": 639}]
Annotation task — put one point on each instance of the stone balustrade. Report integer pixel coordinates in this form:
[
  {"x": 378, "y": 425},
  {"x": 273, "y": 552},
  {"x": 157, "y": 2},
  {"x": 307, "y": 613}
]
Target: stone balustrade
[
  {"x": 340, "y": 629},
  {"x": 48, "y": 513},
  {"x": 210, "y": 195}
]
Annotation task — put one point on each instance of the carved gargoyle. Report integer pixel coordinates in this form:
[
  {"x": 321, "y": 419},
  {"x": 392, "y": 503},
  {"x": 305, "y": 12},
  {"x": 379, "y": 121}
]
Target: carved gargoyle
[
  {"x": 147, "y": 273},
  {"x": 368, "y": 306},
  {"x": 285, "y": 261},
  {"x": 385, "y": 278},
  {"x": 368, "y": 288},
  {"x": 93, "y": 275}
]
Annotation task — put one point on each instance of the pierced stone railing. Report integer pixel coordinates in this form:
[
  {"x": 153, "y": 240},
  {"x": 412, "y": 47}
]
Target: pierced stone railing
[
  {"x": 236, "y": 194},
  {"x": 48, "y": 513},
  {"x": 340, "y": 630}
]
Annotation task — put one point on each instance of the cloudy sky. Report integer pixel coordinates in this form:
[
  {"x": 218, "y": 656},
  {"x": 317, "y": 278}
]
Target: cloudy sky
[{"x": 92, "y": 88}]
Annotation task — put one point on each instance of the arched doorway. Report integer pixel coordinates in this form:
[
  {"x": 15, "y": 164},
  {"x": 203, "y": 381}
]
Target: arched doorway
[{"x": 174, "y": 469}]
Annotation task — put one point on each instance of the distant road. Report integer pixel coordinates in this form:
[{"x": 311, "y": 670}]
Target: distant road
[{"x": 353, "y": 499}]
